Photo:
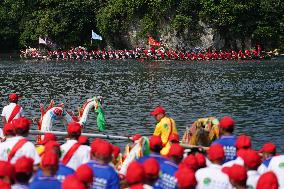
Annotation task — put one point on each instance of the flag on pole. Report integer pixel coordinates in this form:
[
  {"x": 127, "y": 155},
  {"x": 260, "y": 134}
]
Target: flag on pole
[
  {"x": 96, "y": 36},
  {"x": 42, "y": 41},
  {"x": 153, "y": 42}
]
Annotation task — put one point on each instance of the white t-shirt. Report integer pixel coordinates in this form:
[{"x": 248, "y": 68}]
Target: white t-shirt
[
  {"x": 252, "y": 179},
  {"x": 212, "y": 177},
  {"x": 19, "y": 186},
  {"x": 277, "y": 166},
  {"x": 7, "y": 110},
  {"x": 81, "y": 155},
  {"x": 28, "y": 149},
  {"x": 1, "y": 133},
  {"x": 238, "y": 161}
]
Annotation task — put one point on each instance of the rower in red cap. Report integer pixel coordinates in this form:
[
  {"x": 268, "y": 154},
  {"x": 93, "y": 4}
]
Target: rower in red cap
[
  {"x": 13, "y": 110},
  {"x": 164, "y": 128},
  {"x": 73, "y": 153}
]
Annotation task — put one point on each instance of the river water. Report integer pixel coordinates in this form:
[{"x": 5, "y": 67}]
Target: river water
[{"x": 252, "y": 92}]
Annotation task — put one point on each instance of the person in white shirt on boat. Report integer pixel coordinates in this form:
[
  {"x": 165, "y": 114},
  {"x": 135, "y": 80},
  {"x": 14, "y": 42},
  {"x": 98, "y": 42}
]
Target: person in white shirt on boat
[
  {"x": 277, "y": 166},
  {"x": 212, "y": 177},
  {"x": 13, "y": 110},
  {"x": 73, "y": 153},
  {"x": 15, "y": 147}
]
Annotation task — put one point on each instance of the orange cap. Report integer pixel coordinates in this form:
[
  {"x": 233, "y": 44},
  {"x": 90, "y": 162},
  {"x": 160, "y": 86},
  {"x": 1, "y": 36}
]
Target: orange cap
[
  {"x": 227, "y": 122},
  {"x": 84, "y": 174},
  {"x": 135, "y": 173},
  {"x": 236, "y": 173},
  {"x": 267, "y": 180},
  {"x": 216, "y": 152},
  {"x": 24, "y": 165},
  {"x": 185, "y": 178}
]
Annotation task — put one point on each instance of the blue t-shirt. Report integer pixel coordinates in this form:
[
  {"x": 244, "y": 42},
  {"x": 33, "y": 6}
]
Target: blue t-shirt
[
  {"x": 105, "y": 177},
  {"x": 62, "y": 172},
  {"x": 45, "y": 183},
  {"x": 158, "y": 157},
  {"x": 228, "y": 142},
  {"x": 167, "y": 178}
]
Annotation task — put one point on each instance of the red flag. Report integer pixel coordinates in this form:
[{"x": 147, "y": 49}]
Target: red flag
[{"x": 153, "y": 42}]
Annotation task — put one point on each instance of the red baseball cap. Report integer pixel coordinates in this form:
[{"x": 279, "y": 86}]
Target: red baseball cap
[
  {"x": 251, "y": 159},
  {"x": 4, "y": 185},
  {"x": 201, "y": 160},
  {"x": 115, "y": 151},
  {"x": 174, "y": 137},
  {"x": 135, "y": 173},
  {"x": 71, "y": 182},
  {"x": 236, "y": 173},
  {"x": 227, "y": 122},
  {"x": 8, "y": 129},
  {"x": 158, "y": 110},
  {"x": 22, "y": 123},
  {"x": 74, "y": 128},
  {"x": 176, "y": 150},
  {"x": 13, "y": 97},
  {"x": 49, "y": 158},
  {"x": 151, "y": 168},
  {"x": 48, "y": 137},
  {"x": 185, "y": 178},
  {"x": 51, "y": 146},
  {"x": 268, "y": 147},
  {"x": 84, "y": 174},
  {"x": 24, "y": 165},
  {"x": 216, "y": 152},
  {"x": 96, "y": 142},
  {"x": 136, "y": 137},
  {"x": 155, "y": 141},
  {"x": 191, "y": 162},
  {"x": 83, "y": 139},
  {"x": 104, "y": 149},
  {"x": 267, "y": 180},
  {"x": 6, "y": 169},
  {"x": 243, "y": 141}
]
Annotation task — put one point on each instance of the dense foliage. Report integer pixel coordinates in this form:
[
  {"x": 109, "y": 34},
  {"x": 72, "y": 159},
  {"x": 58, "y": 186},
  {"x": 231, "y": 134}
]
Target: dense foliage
[{"x": 69, "y": 22}]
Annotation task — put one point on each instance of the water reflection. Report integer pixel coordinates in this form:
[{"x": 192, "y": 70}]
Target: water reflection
[{"x": 252, "y": 92}]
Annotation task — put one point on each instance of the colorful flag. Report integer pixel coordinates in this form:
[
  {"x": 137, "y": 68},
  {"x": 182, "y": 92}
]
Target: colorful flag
[
  {"x": 96, "y": 36},
  {"x": 41, "y": 41},
  {"x": 153, "y": 42}
]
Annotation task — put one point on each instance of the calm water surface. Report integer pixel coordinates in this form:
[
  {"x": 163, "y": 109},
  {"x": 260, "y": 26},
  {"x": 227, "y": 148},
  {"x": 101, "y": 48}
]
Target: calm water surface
[{"x": 251, "y": 92}]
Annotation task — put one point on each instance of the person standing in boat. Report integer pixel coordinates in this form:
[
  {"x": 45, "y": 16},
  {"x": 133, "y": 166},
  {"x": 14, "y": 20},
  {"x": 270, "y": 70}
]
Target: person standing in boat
[
  {"x": 164, "y": 128},
  {"x": 13, "y": 110}
]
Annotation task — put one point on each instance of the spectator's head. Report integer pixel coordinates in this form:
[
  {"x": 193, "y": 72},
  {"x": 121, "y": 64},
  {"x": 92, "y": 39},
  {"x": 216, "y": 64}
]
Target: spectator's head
[
  {"x": 156, "y": 144},
  {"x": 48, "y": 137},
  {"x": 237, "y": 175},
  {"x": 227, "y": 125},
  {"x": 135, "y": 173},
  {"x": 268, "y": 150},
  {"x": 216, "y": 153},
  {"x": 22, "y": 126},
  {"x": 13, "y": 97},
  {"x": 103, "y": 152},
  {"x": 176, "y": 153},
  {"x": 49, "y": 163},
  {"x": 84, "y": 140},
  {"x": 267, "y": 180},
  {"x": 191, "y": 162},
  {"x": 23, "y": 169},
  {"x": 151, "y": 169},
  {"x": 186, "y": 179},
  {"x": 71, "y": 182},
  {"x": 74, "y": 130},
  {"x": 54, "y": 147},
  {"x": 85, "y": 175},
  {"x": 201, "y": 160},
  {"x": 174, "y": 138},
  {"x": 7, "y": 172},
  {"x": 243, "y": 142},
  {"x": 251, "y": 159},
  {"x": 9, "y": 130}
]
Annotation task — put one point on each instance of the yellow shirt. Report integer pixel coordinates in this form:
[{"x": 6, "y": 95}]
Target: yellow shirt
[{"x": 163, "y": 129}]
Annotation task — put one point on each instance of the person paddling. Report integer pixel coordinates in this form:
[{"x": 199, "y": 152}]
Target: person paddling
[
  {"x": 164, "y": 128},
  {"x": 13, "y": 110}
]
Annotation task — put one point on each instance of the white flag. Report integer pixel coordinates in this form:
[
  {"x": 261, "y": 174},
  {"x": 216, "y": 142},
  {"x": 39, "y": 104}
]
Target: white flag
[
  {"x": 96, "y": 36},
  {"x": 41, "y": 41}
]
